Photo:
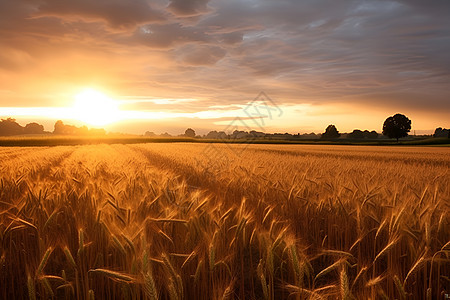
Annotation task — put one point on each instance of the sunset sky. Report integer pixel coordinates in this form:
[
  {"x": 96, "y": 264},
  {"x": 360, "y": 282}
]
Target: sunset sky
[{"x": 161, "y": 65}]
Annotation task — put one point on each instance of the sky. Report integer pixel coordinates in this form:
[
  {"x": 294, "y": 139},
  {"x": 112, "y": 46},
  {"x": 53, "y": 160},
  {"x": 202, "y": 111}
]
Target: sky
[{"x": 269, "y": 65}]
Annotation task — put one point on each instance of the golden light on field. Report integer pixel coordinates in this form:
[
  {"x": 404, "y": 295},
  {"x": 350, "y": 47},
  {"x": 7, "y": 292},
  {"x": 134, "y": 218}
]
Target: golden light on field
[
  {"x": 185, "y": 219},
  {"x": 95, "y": 108}
]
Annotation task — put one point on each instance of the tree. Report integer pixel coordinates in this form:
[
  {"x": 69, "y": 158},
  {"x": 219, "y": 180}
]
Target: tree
[
  {"x": 356, "y": 134},
  {"x": 239, "y": 134},
  {"x": 366, "y": 134},
  {"x": 189, "y": 133},
  {"x": 33, "y": 128},
  {"x": 63, "y": 129},
  {"x": 441, "y": 132},
  {"x": 150, "y": 133},
  {"x": 59, "y": 127},
  {"x": 397, "y": 126},
  {"x": 212, "y": 135},
  {"x": 9, "y": 126},
  {"x": 371, "y": 135},
  {"x": 330, "y": 133}
]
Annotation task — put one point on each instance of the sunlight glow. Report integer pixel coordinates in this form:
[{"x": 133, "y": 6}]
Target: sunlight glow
[{"x": 95, "y": 108}]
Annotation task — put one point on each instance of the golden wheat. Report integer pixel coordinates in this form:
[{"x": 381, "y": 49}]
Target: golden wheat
[{"x": 222, "y": 221}]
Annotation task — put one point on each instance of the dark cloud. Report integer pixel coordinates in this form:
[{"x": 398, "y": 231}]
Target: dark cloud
[
  {"x": 231, "y": 38},
  {"x": 356, "y": 48},
  {"x": 188, "y": 7},
  {"x": 117, "y": 13}
]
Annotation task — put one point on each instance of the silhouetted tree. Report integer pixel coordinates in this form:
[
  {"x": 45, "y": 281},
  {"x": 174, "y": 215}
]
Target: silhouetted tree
[
  {"x": 366, "y": 134},
  {"x": 189, "y": 132},
  {"x": 10, "y": 127},
  {"x": 212, "y": 135},
  {"x": 397, "y": 126},
  {"x": 257, "y": 134},
  {"x": 441, "y": 132},
  {"x": 330, "y": 133},
  {"x": 33, "y": 128},
  {"x": 239, "y": 134},
  {"x": 311, "y": 135},
  {"x": 217, "y": 135},
  {"x": 371, "y": 135},
  {"x": 356, "y": 134},
  {"x": 59, "y": 127},
  {"x": 223, "y": 135}
]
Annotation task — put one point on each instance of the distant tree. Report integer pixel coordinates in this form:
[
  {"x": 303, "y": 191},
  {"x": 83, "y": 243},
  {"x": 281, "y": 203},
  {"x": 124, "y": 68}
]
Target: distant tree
[
  {"x": 59, "y": 127},
  {"x": 397, "y": 126},
  {"x": 223, "y": 135},
  {"x": 372, "y": 135},
  {"x": 330, "y": 133},
  {"x": 356, "y": 134},
  {"x": 33, "y": 128},
  {"x": 189, "y": 132},
  {"x": 311, "y": 135},
  {"x": 212, "y": 135},
  {"x": 150, "y": 133},
  {"x": 10, "y": 127},
  {"x": 256, "y": 134},
  {"x": 437, "y": 132},
  {"x": 441, "y": 132},
  {"x": 239, "y": 134},
  {"x": 366, "y": 134},
  {"x": 63, "y": 129},
  {"x": 217, "y": 135}
]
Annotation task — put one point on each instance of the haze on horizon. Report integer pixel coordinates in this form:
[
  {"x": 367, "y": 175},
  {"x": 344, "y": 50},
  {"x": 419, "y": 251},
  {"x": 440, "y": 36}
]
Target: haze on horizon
[{"x": 173, "y": 64}]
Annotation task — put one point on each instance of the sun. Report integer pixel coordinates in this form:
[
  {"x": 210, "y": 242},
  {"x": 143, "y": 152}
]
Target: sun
[{"x": 95, "y": 108}]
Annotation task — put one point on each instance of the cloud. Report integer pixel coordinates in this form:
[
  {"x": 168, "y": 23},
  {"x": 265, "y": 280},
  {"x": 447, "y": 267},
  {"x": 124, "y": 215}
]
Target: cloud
[
  {"x": 200, "y": 55},
  {"x": 188, "y": 7},
  {"x": 167, "y": 35},
  {"x": 231, "y": 38},
  {"x": 117, "y": 13}
]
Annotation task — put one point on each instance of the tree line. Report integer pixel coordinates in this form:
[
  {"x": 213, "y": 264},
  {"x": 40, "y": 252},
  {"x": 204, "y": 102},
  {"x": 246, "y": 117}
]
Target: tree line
[
  {"x": 9, "y": 127},
  {"x": 396, "y": 126}
]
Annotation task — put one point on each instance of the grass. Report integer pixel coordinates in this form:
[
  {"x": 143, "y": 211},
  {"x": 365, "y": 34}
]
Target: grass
[{"x": 224, "y": 221}]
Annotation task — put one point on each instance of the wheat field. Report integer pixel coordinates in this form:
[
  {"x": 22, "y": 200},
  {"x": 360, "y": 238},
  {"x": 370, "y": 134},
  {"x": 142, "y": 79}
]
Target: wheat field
[{"x": 219, "y": 221}]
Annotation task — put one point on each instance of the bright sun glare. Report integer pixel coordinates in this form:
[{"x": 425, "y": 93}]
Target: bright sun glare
[{"x": 95, "y": 108}]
